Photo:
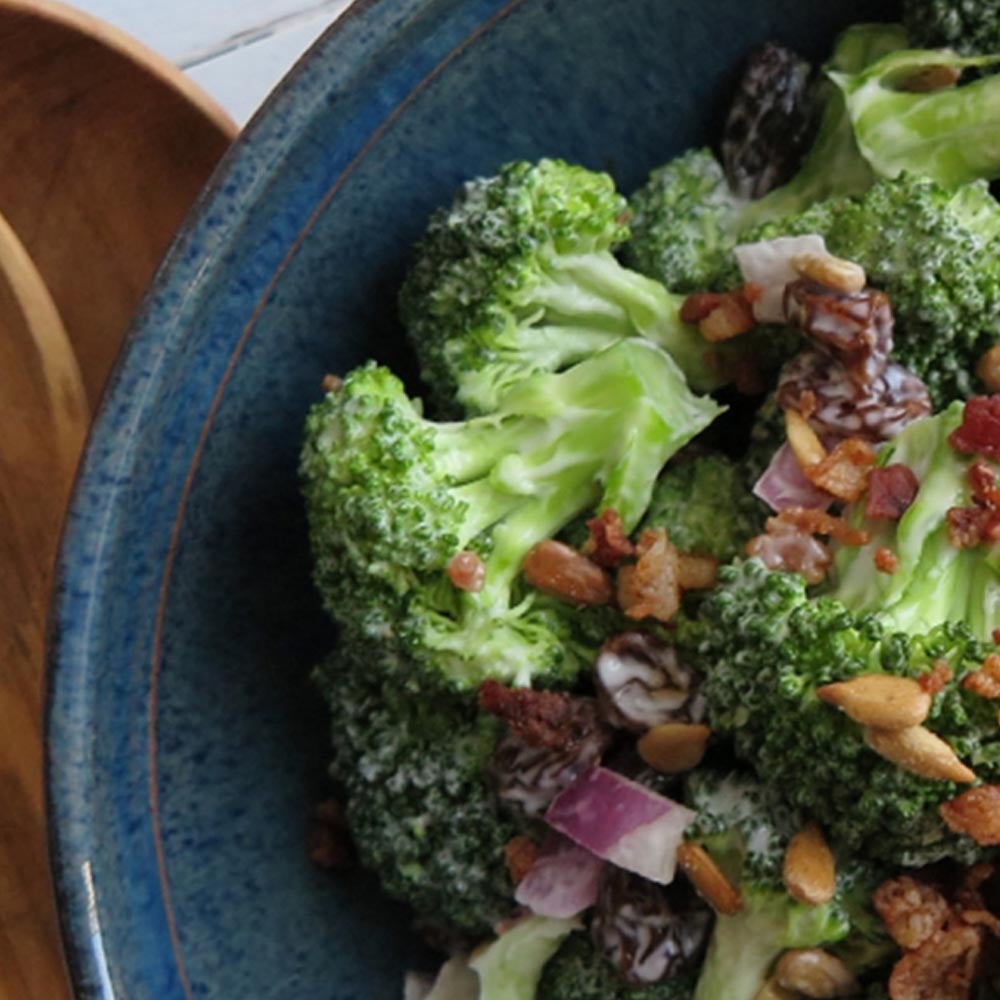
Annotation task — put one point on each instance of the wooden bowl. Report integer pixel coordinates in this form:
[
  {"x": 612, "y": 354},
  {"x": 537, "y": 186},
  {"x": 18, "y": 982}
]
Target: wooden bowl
[{"x": 104, "y": 148}]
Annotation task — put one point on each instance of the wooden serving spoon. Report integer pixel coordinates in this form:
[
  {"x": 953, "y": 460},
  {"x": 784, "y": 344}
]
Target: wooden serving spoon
[
  {"x": 104, "y": 148},
  {"x": 43, "y": 420}
]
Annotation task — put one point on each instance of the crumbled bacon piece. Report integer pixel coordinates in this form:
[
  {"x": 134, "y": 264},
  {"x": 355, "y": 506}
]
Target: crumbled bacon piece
[
  {"x": 886, "y": 561},
  {"x": 467, "y": 571},
  {"x": 979, "y": 432},
  {"x": 854, "y": 327},
  {"x": 996, "y": 636},
  {"x": 520, "y": 855},
  {"x": 650, "y": 588},
  {"x": 844, "y": 471},
  {"x": 891, "y": 492},
  {"x": 975, "y": 813},
  {"x": 986, "y": 680},
  {"x": 787, "y": 547},
  {"x": 818, "y": 522},
  {"x": 698, "y": 305},
  {"x": 540, "y": 718},
  {"x": 911, "y": 910},
  {"x": 752, "y": 292},
  {"x": 608, "y": 543},
  {"x": 935, "y": 680},
  {"x": 983, "y": 480},
  {"x": 732, "y": 316},
  {"x": 967, "y": 526},
  {"x": 942, "y": 968}
]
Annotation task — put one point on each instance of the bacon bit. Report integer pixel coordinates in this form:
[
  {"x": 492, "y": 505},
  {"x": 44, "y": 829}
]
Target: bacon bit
[
  {"x": 818, "y": 522},
  {"x": 979, "y": 431},
  {"x": 732, "y": 317},
  {"x": 331, "y": 383},
  {"x": 891, "y": 492},
  {"x": 911, "y": 910},
  {"x": 551, "y": 719},
  {"x": 844, "y": 472},
  {"x": 650, "y": 588},
  {"x": 942, "y": 968},
  {"x": 697, "y": 306},
  {"x": 976, "y": 813},
  {"x": 886, "y": 561},
  {"x": 935, "y": 680},
  {"x": 697, "y": 572},
  {"x": 983, "y": 480},
  {"x": 466, "y": 571},
  {"x": 608, "y": 543},
  {"x": 986, "y": 680},
  {"x": 967, "y": 526},
  {"x": 786, "y": 547},
  {"x": 996, "y": 636},
  {"x": 752, "y": 292},
  {"x": 563, "y": 572},
  {"x": 520, "y": 855}
]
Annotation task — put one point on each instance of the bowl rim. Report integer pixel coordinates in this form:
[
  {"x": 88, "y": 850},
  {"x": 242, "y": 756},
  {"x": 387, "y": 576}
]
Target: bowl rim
[{"x": 196, "y": 253}]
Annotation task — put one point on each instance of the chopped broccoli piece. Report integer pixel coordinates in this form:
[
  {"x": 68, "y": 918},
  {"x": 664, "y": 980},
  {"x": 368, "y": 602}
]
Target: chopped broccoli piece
[
  {"x": 681, "y": 221},
  {"x": 971, "y": 27},
  {"x": 746, "y": 831},
  {"x": 518, "y": 276},
  {"x": 509, "y": 967},
  {"x": 579, "y": 972},
  {"x": 935, "y": 582},
  {"x": 765, "y": 645},
  {"x": 391, "y": 497},
  {"x": 412, "y": 761},
  {"x": 705, "y": 506},
  {"x": 935, "y": 254}
]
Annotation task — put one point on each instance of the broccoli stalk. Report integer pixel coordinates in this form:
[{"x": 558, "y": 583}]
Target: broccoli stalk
[
  {"x": 518, "y": 276},
  {"x": 746, "y": 833},
  {"x": 391, "y": 497}
]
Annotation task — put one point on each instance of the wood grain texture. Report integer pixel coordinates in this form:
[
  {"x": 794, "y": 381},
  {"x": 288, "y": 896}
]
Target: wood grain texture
[
  {"x": 105, "y": 146},
  {"x": 44, "y": 416}
]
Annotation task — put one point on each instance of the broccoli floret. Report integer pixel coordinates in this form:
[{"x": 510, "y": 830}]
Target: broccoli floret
[
  {"x": 391, "y": 497},
  {"x": 681, "y": 222},
  {"x": 705, "y": 506},
  {"x": 411, "y": 757},
  {"x": 971, "y": 27},
  {"x": 765, "y": 645},
  {"x": 746, "y": 830},
  {"x": 518, "y": 276},
  {"x": 579, "y": 972}
]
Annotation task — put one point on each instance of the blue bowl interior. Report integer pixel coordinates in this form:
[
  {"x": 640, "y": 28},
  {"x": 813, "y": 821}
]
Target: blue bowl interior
[{"x": 186, "y": 744}]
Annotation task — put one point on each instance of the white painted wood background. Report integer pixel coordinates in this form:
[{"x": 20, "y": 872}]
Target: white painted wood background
[{"x": 236, "y": 49}]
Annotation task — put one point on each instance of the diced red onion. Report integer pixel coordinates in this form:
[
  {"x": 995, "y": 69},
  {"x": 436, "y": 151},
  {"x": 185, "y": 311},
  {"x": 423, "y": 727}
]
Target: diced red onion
[
  {"x": 784, "y": 485},
  {"x": 563, "y": 880},
  {"x": 622, "y": 822},
  {"x": 769, "y": 265}
]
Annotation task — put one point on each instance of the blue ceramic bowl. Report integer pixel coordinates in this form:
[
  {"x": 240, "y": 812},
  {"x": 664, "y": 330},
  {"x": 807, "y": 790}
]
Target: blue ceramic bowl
[{"x": 185, "y": 744}]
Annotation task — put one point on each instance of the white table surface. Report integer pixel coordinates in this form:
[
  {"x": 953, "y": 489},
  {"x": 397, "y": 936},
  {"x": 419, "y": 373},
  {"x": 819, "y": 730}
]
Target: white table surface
[{"x": 236, "y": 49}]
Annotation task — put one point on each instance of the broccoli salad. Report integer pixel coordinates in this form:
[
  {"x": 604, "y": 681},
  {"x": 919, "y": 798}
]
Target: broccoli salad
[{"x": 669, "y": 613}]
